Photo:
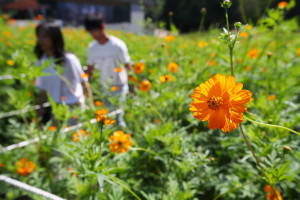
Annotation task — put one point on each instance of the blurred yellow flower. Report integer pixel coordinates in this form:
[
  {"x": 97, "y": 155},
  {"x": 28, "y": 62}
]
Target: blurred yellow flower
[
  {"x": 170, "y": 38},
  {"x": 52, "y": 128},
  {"x": 202, "y": 44},
  {"x": 298, "y": 52},
  {"x": 247, "y": 68},
  {"x": 118, "y": 69},
  {"x": 10, "y": 62},
  {"x": 173, "y": 67},
  {"x": 211, "y": 63},
  {"x": 102, "y": 112}
]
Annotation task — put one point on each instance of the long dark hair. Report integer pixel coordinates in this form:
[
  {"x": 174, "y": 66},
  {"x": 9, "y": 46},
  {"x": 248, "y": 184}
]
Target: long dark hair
[{"x": 54, "y": 32}]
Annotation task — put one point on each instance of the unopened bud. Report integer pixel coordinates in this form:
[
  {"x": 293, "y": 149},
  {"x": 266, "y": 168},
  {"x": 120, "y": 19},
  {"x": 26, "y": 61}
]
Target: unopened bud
[
  {"x": 238, "y": 25},
  {"x": 171, "y": 13},
  {"x": 287, "y": 148},
  {"x": 269, "y": 54},
  {"x": 226, "y": 4},
  {"x": 148, "y": 105},
  {"x": 163, "y": 44},
  {"x": 203, "y": 11},
  {"x": 212, "y": 159}
]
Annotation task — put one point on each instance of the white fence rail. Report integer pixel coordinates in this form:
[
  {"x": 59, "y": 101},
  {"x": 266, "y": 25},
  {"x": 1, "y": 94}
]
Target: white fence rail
[
  {"x": 28, "y": 142},
  {"x": 29, "y": 188}
]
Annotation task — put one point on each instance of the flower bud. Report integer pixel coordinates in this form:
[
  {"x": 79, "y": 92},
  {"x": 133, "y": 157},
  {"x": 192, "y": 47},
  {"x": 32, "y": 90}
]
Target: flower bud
[
  {"x": 238, "y": 25},
  {"x": 269, "y": 54},
  {"x": 203, "y": 11},
  {"x": 287, "y": 148},
  {"x": 226, "y": 4},
  {"x": 212, "y": 159}
]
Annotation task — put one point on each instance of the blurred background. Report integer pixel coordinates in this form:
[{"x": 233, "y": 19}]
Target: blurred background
[{"x": 140, "y": 15}]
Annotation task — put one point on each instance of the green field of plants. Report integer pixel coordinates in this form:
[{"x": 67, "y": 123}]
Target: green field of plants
[{"x": 169, "y": 153}]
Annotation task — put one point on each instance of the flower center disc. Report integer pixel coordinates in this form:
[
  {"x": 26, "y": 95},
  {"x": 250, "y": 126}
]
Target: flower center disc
[{"x": 215, "y": 102}]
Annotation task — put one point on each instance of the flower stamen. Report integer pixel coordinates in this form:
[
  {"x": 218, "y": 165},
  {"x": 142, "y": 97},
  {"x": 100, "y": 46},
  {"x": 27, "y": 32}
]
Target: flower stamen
[{"x": 215, "y": 102}]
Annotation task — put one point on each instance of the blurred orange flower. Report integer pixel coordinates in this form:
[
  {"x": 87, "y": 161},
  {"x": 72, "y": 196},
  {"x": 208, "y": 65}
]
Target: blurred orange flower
[
  {"x": 220, "y": 101},
  {"x": 9, "y": 44},
  {"x": 76, "y": 135},
  {"x": 139, "y": 67},
  {"x": 5, "y": 16},
  {"x": 119, "y": 69},
  {"x": 244, "y": 34},
  {"x": 173, "y": 67},
  {"x": 1, "y": 165},
  {"x": 103, "y": 119},
  {"x": 25, "y": 167},
  {"x": 211, "y": 63},
  {"x": 102, "y": 112},
  {"x": 165, "y": 78},
  {"x": 114, "y": 88},
  {"x": 253, "y": 53},
  {"x": 282, "y": 4},
  {"x": 120, "y": 142},
  {"x": 271, "y": 97},
  {"x": 52, "y": 128},
  {"x": 298, "y": 52},
  {"x": 133, "y": 79},
  {"x": 145, "y": 85},
  {"x": 247, "y": 68},
  {"x": 170, "y": 38},
  {"x": 10, "y": 62},
  {"x": 63, "y": 98},
  {"x": 202, "y": 44},
  {"x": 85, "y": 75},
  {"x": 271, "y": 195},
  {"x": 98, "y": 103}
]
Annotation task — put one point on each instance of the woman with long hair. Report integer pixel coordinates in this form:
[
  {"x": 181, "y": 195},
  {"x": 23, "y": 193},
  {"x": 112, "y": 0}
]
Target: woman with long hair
[{"x": 64, "y": 77}]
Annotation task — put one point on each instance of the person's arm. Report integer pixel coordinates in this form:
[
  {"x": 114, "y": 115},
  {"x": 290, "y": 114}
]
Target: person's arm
[
  {"x": 88, "y": 91},
  {"x": 90, "y": 70},
  {"x": 43, "y": 99}
]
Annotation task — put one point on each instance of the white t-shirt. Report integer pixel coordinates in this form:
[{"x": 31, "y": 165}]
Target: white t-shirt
[
  {"x": 106, "y": 57},
  {"x": 70, "y": 88}
]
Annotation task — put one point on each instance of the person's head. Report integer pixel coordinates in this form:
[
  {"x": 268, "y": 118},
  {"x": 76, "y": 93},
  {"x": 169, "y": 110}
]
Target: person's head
[
  {"x": 94, "y": 24},
  {"x": 50, "y": 39}
]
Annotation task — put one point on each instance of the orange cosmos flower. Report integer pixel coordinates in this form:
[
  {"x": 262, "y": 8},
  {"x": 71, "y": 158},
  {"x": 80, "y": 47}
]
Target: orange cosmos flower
[
  {"x": 213, "y": 55},
  {"x": 85, "y": 75},
  {"x": 211, "y": 63},
  {"x": 282, "y": 4},
  {"x": 5, "y": 16},
  {"x": 220, "y": 101},
  {"x": 31, "y": 42},
  {"x": 102, "y": 112},
  {"x": 76, "y": 135},
  {"x": 6, "y": 33},
  {"x": 98, "y": 103},
  {"x": 139, "y": 67},
  {"x": 202, "y": 44},
  {"x": 145, "y": 85},
  {"x": 120, "y": 142},
  {"x": 25, "y": 167},
  {"x": 165, "y": 78},
  {"x": 10, "y": 62},
  {"x": 114, "y": 88},
  {"x": 173, "y": 67},
  {"x": 247, "y": 68},
  {"x": 298, "y": 52},
  {"x": 118, "y": 69},
  {"x": 52, "y": 128},
  {"x": 103, "y": 120},
  {"x": 1, "y": 165},
  {"x": 244, "y": 34},
  {"x": 170, "y": 38},
  {"x": 271, "y": 97},
  {"x": 271, "y": 195},
  {"x": 9, "y": 44},
  {"x": 253, "y": 53},
  {"x": 63, "y": 98},
  {"x": 133, "y": 79}
]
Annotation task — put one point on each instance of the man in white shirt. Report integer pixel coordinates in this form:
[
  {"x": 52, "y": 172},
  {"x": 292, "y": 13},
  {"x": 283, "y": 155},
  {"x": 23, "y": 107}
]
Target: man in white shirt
[{"x": 110, "y": 56}]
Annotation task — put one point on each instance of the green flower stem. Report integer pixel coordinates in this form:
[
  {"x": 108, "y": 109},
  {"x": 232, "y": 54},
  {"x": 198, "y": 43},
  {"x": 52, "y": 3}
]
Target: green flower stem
[
  {"x": 166, "y": 178},
  {"x": 231, "y": 61},
  {"x": 250, "y": 148},
  {"x": 227, "y": 22},
  {"x": 243, "y": 11},
  {"x": 271, "y": 125},
  {"x": 110, "y": 176},
  {"x": 236, "y": 188},
  {"x": 142, "y": 149}
]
